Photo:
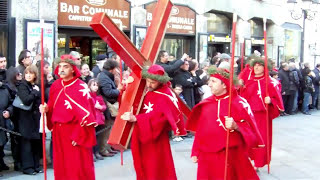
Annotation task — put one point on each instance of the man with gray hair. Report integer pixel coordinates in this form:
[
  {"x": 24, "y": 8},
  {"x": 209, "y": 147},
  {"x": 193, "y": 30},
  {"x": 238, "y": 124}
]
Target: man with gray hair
[
  {"x": 296, "y": 77},
  {"x": 100, "y": 60},
  {"x": 77, "y": 58}
]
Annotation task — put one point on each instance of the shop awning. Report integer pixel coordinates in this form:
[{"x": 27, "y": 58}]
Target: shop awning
[{"x": 291, "y": 26}]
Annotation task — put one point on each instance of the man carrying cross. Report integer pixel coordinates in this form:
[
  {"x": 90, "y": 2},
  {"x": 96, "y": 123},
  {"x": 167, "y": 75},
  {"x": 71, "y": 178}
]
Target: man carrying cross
[
  {"x": 209, "y": 119},
  {"x": 160, "y": 113}
]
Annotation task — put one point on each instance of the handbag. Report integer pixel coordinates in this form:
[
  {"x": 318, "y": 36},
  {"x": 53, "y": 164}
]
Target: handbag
[
  {"x": 19, "y": 104},
  {"x": 113, "y": 108}
]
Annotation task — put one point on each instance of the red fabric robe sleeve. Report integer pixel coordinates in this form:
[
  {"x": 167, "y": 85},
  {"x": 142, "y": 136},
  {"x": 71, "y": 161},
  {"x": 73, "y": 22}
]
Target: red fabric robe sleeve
[
  {"x": 84, "y": 136},
  {"x": 152, "y": 123},
  {"x": 247, "y": 125},
  {"x": 84, "y": 132},
  {"x": 195, "y": 147}
]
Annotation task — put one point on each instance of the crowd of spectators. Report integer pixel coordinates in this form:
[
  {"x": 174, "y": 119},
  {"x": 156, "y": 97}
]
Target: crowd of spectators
[{"x": 299, "y": 86}]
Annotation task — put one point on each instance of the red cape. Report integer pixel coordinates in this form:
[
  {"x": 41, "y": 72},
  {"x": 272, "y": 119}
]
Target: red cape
[
  {"x": 208, "y": 120},
  {"x": 72, "y": 121},
  {"x": 255, "y": 92},
  {"x": 70, "y": 102},
  {"x": 208, "y": 127},
  {"x": 151, "y": 151}
]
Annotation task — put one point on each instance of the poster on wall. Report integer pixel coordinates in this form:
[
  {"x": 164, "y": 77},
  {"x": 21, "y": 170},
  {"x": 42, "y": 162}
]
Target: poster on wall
[
  {"x": 33, "y": 39},
  {"x": 247, "y": 47},
  {"x": 140, "y": 34},
  {"x": 203, "y": 47}
]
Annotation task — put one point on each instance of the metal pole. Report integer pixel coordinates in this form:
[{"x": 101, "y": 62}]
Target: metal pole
[{"x": 302, "y": 36}]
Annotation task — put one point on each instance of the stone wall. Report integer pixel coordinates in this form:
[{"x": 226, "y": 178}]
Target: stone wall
[{"x": 32, "y": 9}]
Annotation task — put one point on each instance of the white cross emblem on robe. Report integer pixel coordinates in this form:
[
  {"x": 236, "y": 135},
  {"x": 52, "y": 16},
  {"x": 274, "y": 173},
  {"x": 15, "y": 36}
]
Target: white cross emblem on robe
[
  {"x": 221, "y": 124},
  {"x": 67, "y": 103},
  {"x": 246, "y": 105},
  {"x": 85, "y": 90},
  {"x": 148, "y": 107},
  {"x": 274, "y": 82}
]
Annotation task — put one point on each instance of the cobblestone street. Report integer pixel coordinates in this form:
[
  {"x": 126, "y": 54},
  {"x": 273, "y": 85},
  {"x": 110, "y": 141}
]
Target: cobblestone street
[{"x": 294, "y": 157}]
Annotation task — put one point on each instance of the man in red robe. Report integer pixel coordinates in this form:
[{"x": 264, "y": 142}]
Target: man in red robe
[
  {"x": 160, "y": 113},
  {"x": 255, "y": 93},
  {"x": 209, "y": 119},
  {"x": 70, "y": 117}
]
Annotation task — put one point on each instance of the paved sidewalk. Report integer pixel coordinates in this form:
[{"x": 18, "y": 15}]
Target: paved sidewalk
[{"x": 294, "y": 157}]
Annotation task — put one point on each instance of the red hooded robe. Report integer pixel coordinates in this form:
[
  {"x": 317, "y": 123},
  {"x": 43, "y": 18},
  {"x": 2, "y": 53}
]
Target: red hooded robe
[
  {"x": 151, "y": 150},
  {"x": 73, "y": 124},
  {"x": 208, "y": 121},
  {"x": 255, "y": 92}
]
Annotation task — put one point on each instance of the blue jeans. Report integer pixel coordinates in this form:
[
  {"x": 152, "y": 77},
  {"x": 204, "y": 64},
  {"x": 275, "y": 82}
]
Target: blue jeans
[
  {"x": 305, "y": 104},
  {"x": 315, "y": 96},
  {"x": 295, "y": 102}
]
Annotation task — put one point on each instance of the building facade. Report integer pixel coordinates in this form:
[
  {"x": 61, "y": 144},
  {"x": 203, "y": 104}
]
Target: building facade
[{"x": 199, "y": 29}]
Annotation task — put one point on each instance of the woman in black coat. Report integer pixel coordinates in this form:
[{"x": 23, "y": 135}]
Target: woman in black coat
[
  {"x": 188, "y": 83},
  {"x": 28, "y": 121},
  {"x": 13, "y": 78}
]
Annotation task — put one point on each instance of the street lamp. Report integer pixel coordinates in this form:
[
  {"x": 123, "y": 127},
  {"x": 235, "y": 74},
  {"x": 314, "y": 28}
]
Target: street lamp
[{"x": 305, "y": 10}]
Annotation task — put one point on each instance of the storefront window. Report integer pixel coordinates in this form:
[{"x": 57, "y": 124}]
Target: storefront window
[
  {"x": 176, "y": 47},
  {"x": 3, "y": 42},
  {"x": 292, "y": 44},
  {"x": 61, "y": 44},
  {"x": 256, "y": 27},
  {"x": 98, "y": 47},
  {"x": 218, "y": 23},
  {"x": 203, "y": 47},
  {"x": 247, "y": 47}
]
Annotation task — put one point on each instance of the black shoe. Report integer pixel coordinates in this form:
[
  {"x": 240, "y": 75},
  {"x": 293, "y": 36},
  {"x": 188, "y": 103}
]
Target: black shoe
[
  {"x": 98, "y": 156},
  {"x": 284, "y": 114},
  {"x": 29, "y": 171},
  {"x": 38, "y": 170},
  {"x": 17, "y": 167},
  {"x": 4, "y": 167},
  {"x": 306, "y": 113}
]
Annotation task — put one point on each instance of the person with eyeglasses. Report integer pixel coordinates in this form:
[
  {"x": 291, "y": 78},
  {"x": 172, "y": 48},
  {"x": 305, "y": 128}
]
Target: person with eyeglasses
[{"x": 24, "y": 60}]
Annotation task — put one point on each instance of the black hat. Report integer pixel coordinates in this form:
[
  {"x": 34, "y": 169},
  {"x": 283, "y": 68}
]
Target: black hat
[{"x": 101, "y": 57}]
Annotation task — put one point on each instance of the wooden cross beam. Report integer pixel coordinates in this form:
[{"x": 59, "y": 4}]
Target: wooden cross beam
[{"x": 121, "y": 44}]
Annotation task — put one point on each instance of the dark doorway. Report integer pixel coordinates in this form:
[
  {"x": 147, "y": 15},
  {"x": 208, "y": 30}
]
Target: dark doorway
[
  {"x": 213, "y": 49},
  {"x": 259, "y": 48}
]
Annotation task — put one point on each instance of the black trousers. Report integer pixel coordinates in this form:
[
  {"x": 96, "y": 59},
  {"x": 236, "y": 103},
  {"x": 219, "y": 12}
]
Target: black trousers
[
  {"x": 288, "y": 101},
  {"x": 15, "y": 149},
  {"x": 30, "y": 153}
]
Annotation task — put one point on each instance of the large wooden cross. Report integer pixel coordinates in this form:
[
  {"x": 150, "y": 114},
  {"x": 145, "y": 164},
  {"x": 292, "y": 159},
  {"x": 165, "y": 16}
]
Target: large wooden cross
[{"x": 121, "y": 44}]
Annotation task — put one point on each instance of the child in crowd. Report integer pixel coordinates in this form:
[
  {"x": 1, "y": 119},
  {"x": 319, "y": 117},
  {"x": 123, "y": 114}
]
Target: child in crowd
[
  {"x": 99, "y": 108},
  {"x": 178, "y": 90}
]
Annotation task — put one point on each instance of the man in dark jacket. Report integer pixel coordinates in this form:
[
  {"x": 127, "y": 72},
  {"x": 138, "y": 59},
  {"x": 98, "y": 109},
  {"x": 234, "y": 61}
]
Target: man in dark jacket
[
  {"x": 296, "y": 78},
  {"x": 316, "y": 83},
  {"x": 110, "y": 93},
  {"x": 170, "y": 67},
  {"x": 287, "y": 94},
  {"x": 100, "y": 60},
  {"x": 5, "y": 108}
]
